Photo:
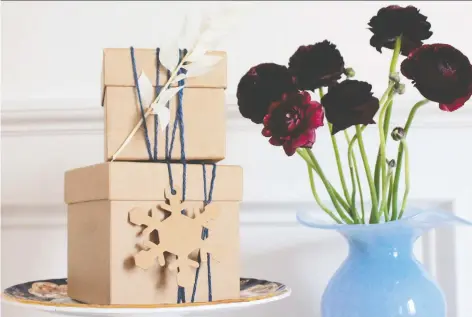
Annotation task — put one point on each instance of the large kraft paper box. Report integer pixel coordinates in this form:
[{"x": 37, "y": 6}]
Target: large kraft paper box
[
  {"x": 103, "y": 243},
  {"x": 203, "y": 107}
]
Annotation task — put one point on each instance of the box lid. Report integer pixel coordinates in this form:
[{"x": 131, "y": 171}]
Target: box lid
[
  {"x": 147, "y": 181},
  {"x": 118, "y": 70}
]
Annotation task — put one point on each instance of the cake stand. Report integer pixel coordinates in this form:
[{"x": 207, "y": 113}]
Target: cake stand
[{"x": 51, "y": 296}]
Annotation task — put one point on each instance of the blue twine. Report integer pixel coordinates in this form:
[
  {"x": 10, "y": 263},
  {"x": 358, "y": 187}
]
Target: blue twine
[
  {"x": 205, "y": 233},
  {"x": 180, "y": 98},
  {"x": 135, "y": 75},
  {"x": 158, "y": 89},
  {"x": 181, "y": 295},
  {"x": 178, "y": 122},
  {"x": 156, "y": 124}
]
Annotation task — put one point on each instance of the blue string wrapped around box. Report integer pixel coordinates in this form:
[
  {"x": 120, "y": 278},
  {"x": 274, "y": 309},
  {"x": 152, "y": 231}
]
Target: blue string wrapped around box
[{"x": 178, "y": 123}]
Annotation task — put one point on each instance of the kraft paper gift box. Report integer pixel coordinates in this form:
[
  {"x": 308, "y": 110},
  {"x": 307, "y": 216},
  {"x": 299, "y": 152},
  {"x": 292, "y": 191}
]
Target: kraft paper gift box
[
  {"x": 203, "y": 107},
  {"x": 106, "y": 204}
]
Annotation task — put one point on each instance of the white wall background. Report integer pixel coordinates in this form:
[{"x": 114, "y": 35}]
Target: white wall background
[{"x": 51, "y": 122}]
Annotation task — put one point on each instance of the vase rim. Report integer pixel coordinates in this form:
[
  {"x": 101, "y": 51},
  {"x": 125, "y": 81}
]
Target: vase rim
[{"x": 419, "y": 219}]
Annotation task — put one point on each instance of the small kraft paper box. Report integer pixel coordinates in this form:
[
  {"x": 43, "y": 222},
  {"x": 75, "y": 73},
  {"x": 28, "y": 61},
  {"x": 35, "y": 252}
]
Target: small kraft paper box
[
  {"x": 131, "y": 239},
  {"x": 204, "y": 114}
]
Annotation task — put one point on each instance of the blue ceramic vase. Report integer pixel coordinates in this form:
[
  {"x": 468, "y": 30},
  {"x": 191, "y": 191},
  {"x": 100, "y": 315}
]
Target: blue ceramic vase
[{"x": 381, "y": 276}]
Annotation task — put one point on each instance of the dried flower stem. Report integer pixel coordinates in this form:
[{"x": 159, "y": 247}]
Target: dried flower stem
[
  {"x": 400, "y": 159},
  {"x": 150, "y": 109}
]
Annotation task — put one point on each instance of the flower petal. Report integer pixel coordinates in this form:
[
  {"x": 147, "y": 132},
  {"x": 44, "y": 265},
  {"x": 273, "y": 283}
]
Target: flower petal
[
  {"x": 393, "y": 21},
  {"x": 305, "y": 140},
  {"x": 458, "y": 103},
  {"x": 315, "y": 66},
  {"x": 289, "y": 149},
  {"x": 260, "y": 86},
  {"x": 266, "y": 132},
  {"x": 349, "y": 103},
  {"x": 316, "y": 115},
  {"x": 276, "y": 141},
  {"x": 441, "y": 73},
  {"x": 266, "y": 119}
]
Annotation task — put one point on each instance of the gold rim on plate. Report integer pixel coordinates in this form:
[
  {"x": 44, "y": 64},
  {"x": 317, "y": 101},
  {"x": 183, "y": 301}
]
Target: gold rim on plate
[{"x": 53, "y": 292}]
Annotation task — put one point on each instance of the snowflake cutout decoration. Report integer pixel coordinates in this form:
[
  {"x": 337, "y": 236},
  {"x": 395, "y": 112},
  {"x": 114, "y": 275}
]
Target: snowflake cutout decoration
[{"x": 178, "y": 234}]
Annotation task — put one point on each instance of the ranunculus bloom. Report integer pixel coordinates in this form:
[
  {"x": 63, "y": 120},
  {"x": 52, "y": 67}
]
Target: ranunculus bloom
[
  {"x": 393, "y": 21},
  {"x": 260, "y": 86},
  {"x": 350, "y": 103},
  {"x": 315, "y": 66},
  {"x": 441, "y": 73},
  {"x": 291, "y": 121}
]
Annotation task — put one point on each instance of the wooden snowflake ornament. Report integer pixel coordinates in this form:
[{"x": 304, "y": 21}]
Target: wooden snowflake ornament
[{"x": 178, "y": 234}]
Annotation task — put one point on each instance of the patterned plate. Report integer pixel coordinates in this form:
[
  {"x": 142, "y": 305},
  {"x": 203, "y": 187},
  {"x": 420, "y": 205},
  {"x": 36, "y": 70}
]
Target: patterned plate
[{"x": 52, "y": 295}]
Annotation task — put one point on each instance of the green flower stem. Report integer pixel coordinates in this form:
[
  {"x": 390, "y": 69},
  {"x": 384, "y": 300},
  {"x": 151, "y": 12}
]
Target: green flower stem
[
  {"x": 374, "y": 217},
  {"x": 343, "y": 203},
  {"x": 353, "y": 195},
  {"x": 388, "y": 115},
  {"x": 338, "y": 163},
  {"x": 356, "y": 171},
  {"x": 335, "y": 198},
  {"x": 360, "y": 189},
  {"x": 387, "y": 184},
  {"x": 317, "y": 198},
  {"x": 386, "y": 94},
  {"x": 390, "y": 191},
  {"x": 383, "y": 162},
  {"x": 407, "y": 178},
  {"x": 318, "y": 170},
  {"x": 399, "y": 160},
  {"x": 353, "y": 165},
  {"x": 336, "y": 154},
  {"x": 386, "y": 123},
  {"x": 351, "y": 159},
  {"x": 396, "y": 54}
]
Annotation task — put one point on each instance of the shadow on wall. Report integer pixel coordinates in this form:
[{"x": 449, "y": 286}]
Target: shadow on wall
[{"x": 305, "y": 268}]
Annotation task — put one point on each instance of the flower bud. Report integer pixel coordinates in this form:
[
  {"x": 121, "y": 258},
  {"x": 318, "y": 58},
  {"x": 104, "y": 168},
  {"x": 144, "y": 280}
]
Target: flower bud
[
  {"x": 349, "y": 72},
  {"x": 399, "y": 88},
  {"x": 398, "y": 134},
  {"x": 395, "y": 77}
]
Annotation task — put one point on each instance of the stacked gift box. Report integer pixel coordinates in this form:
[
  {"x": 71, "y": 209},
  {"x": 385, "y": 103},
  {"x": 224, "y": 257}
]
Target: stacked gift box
[{"x": 158, "y": 221}]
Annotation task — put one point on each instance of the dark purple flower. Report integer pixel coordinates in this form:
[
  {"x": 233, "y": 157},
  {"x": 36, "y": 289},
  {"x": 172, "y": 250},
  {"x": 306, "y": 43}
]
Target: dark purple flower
[
  {"x": 291, "y": 121},
  {"x": 315, "y": 66},
  {"x": 393, "y": 21},
  {"x": 441, "y": 73},
  {"x": 349, "y": 103},
  {"x": 260, "y": 86}
]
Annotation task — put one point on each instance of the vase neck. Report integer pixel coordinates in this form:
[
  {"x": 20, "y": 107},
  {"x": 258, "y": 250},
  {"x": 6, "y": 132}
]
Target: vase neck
[{"x": 396, "y": 244}]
